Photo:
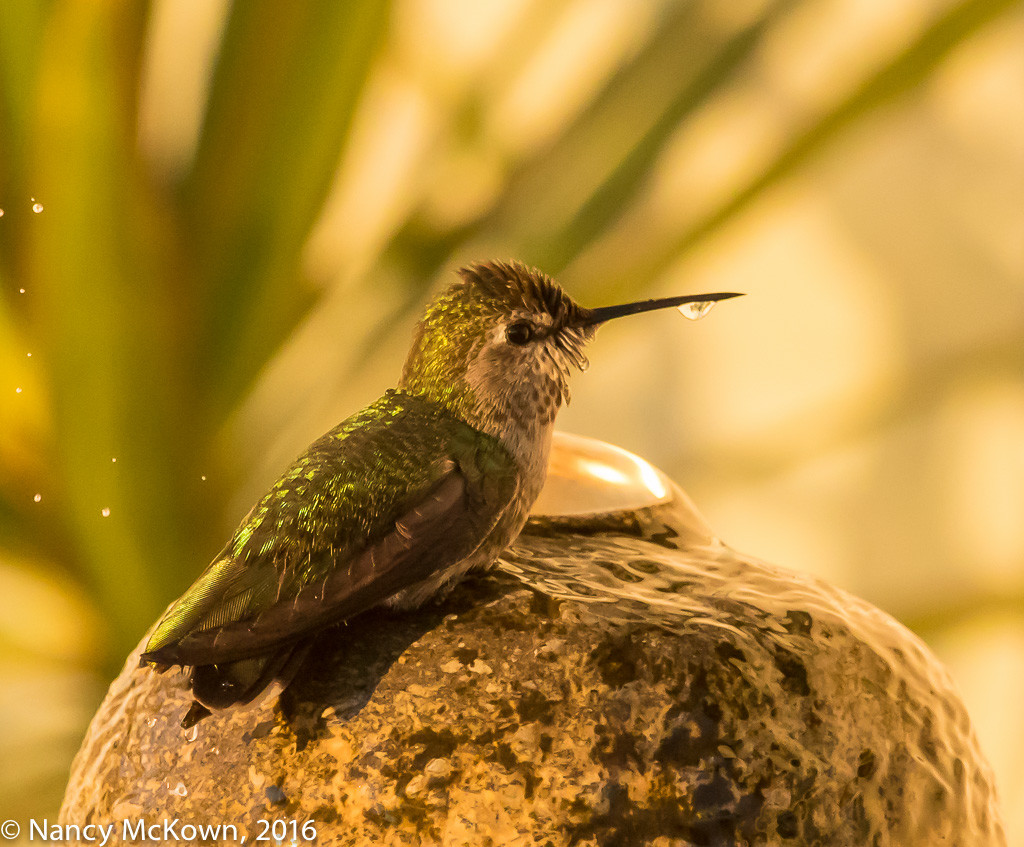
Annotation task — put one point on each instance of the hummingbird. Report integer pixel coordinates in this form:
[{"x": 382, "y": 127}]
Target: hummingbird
[{"x": 399, "y": 501}]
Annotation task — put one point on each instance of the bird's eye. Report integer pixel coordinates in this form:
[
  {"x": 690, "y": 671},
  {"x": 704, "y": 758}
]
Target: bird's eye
[{"x": 519, "y": 333}]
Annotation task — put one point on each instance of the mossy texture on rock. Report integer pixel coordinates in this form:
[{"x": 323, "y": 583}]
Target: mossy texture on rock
[{"x": 621, "y": 681}]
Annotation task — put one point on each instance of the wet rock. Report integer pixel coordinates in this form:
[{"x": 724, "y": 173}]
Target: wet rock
[{"x": 624, "y": 679}]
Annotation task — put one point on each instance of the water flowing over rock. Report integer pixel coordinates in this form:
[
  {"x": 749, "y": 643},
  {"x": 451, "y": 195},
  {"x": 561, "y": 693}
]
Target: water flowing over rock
[{"x": 623, "y": 678}]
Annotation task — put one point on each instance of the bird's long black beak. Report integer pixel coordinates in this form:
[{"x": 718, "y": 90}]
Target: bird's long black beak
[{"x": 591, "y": 317}]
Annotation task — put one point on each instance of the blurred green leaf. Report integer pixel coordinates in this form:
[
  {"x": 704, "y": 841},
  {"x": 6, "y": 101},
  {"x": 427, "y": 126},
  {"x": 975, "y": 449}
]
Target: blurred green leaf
[
  {"x": 285, "y": 87},
  {"x": 21, "y": 31},
  {"x": 906, "y": 70},
  {"x": 694, "y": 87},
  {"x": 590, "y": 148},
  {"x": 107, "y": 319},
  {"x": 609, "y": 149}
]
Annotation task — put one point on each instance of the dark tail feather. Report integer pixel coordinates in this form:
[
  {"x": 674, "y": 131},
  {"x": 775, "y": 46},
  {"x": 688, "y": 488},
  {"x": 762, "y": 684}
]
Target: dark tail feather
[
  {"x": 196, "y": 712},
  {"x": 237, "y": 683}
]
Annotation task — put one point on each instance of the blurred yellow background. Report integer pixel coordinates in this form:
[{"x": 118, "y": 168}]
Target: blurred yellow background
[{"x": 220, "y": 222}]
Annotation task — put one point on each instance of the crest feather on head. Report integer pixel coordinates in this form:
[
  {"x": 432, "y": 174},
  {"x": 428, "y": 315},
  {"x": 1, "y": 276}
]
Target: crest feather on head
[{"x": 514, "y": 285}]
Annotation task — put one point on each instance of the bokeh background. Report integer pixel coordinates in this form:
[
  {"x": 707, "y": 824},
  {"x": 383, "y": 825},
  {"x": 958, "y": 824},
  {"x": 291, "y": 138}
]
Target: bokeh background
[{"x": 220, "y": 221}]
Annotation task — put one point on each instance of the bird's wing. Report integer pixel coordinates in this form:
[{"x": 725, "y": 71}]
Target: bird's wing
[{"x": 312, "y": 555}]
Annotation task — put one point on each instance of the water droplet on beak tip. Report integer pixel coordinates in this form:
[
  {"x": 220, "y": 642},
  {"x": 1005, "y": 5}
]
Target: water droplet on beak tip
[{"x": 696, "y": 309}]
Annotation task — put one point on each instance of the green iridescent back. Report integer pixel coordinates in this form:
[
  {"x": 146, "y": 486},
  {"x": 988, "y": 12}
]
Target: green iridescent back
[{"x": 341, "y": 496}]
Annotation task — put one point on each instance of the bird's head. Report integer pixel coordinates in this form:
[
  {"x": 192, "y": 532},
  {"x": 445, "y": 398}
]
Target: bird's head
[{"x": 498, "y": 346}]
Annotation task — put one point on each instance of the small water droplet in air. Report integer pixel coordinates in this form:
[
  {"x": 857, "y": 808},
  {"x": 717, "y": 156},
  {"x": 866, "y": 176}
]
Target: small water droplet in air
[
  {"x": 17, "y": 391},
  {"x": 38, "y": 497},
  {"x": 36, "y": 207},
  {"x": 697, "y": 309},
  {"x": 1, "y": 213},
  {"x": 29, "y": 355},
  {"x": 105, "y": 511},
  {"x": 203, "y": 477},
  {"x": 113, "y": 460},
  {"x": 21, "y": 290}
]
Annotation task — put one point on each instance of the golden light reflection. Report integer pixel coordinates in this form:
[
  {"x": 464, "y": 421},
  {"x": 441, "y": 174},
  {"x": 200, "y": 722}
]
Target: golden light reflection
[
  {"x": 586, "y": 476},
  {"x": 602, "y": 471}
]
